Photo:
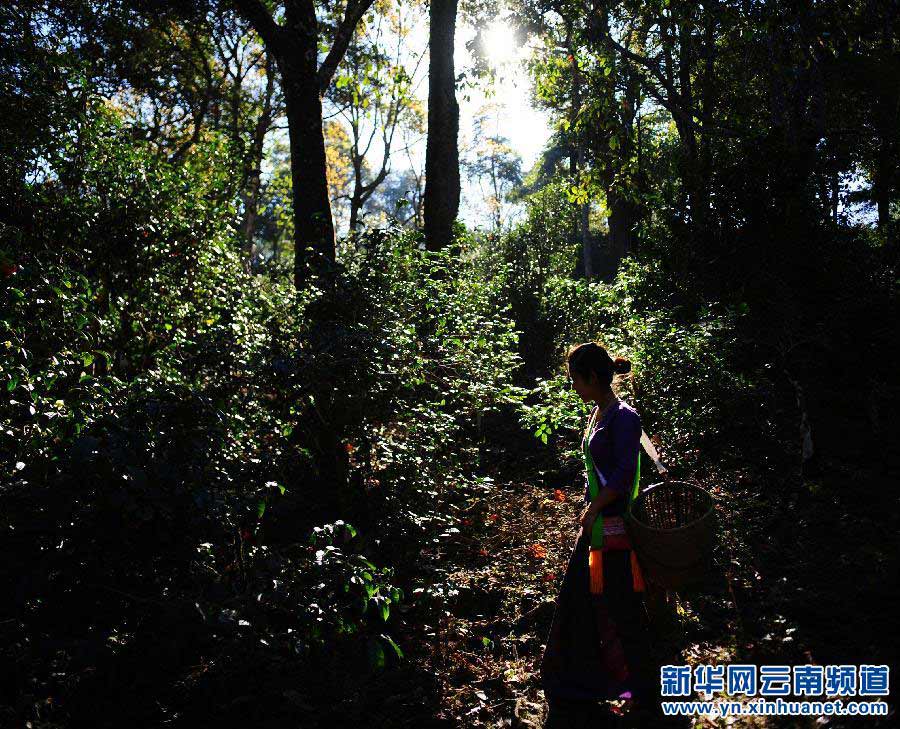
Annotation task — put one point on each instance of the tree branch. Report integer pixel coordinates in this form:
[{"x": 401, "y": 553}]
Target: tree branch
[
  {"x": 258, "y": 16},
  {"x": 342, "y": 37},
  {"x": 673, "y": 100}
]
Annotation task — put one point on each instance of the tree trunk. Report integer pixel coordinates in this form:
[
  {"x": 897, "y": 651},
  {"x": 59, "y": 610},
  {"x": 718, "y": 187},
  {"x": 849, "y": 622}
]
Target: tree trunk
[
  {"x": 442, "y": 185},
  {"x": 581, "y": 227},
  {"x": 356, "y": 201},
  {"x": 576, "y": 155},
  {"x": 585, "y": 235},
  {"x": 620, "y": 223},
  {"x": 620, "y": 208},
  {"x": 883, "y": 184},
  {"x": 251, "y": 193},
  {"x": 313, "y": 224},
  {"x": 708, "y": 101},
  {"x": 691, "y": 174},
  {"x": 835, "y": 195},
  {"x": 886, "y": 120},
  {"x": 295, "y": 47},
  {"x": 251, "y": 201}
]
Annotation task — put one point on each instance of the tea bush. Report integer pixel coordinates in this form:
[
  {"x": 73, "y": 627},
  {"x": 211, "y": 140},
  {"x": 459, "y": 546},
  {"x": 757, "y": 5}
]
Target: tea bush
[{"x": 187, "y": 434}]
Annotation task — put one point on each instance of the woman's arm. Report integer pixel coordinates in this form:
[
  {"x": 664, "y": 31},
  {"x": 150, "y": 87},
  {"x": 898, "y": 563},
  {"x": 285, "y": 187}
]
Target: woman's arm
[
  {"x": 626, "y": 442},
  {"x": 605, "y": 496}
]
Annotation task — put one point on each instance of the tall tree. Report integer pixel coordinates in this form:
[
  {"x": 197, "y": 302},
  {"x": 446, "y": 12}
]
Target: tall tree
[
  {"x": 576, "y": 152},
  {"x": 375, "y": 95},
  {"x": 246, "y": 107},
  {"x": 495, "y": 162},
  {"x": 177, "y": 76},
  {"x": 442, "y": 186},
  {"x": 593, "y": 101},
  {"x": 295, "y": 47}
]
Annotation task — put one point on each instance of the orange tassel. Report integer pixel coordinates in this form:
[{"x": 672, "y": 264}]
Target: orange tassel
[
  {"x": 637, "y": 576},
  {"x": 595, "y": 567}
]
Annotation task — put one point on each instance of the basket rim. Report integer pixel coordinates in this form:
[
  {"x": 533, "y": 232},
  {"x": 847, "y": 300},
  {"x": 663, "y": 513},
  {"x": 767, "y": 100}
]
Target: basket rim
[{"x": 710, "y": 510}]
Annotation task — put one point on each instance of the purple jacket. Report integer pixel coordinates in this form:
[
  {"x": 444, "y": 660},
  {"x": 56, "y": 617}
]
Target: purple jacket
[{"x": 614, "y": 447}]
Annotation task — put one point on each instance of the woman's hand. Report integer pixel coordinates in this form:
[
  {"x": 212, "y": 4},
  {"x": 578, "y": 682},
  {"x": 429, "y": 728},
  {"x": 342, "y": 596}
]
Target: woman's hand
[{"x": 588, "y": 516}]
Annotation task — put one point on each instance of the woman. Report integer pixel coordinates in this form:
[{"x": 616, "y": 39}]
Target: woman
[{"x": 598, "y": 645}]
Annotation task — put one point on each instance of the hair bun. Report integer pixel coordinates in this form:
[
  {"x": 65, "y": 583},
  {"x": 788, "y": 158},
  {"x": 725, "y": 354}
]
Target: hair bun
[{"x": 621, "y": 366}]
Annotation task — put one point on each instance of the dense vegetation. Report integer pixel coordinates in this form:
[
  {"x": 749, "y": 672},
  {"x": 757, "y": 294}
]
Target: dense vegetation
[{"x": 217, "y": 485}]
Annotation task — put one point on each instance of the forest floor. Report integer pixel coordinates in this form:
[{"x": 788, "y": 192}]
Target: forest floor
[
  {"x": 480, "y": 630},
  {"x": 475, "y": 637}
]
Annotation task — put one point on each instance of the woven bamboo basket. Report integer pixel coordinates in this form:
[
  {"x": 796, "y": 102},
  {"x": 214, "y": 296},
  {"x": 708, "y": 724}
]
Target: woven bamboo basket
[{"x": 672, "y": 527}]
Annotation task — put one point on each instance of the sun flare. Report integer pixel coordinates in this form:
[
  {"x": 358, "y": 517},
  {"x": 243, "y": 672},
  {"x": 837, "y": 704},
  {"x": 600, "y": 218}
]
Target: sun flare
[{"x": 500, "y": 43}]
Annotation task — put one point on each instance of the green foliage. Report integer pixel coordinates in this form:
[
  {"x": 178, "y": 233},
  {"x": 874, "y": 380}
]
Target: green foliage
[
  {"x": 109, "y": 284},
  {"x": 415, "y": 352},
  {"x": 186, "y": 426},
  {"x": 156, "y": 392},
  {"x": 525, "y": 263},
  {"x": 690, "y": 380}
]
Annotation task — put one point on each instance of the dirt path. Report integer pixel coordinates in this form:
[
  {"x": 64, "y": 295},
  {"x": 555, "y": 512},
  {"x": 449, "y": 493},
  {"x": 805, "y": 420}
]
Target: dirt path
[{"x": 494, "y": 585}]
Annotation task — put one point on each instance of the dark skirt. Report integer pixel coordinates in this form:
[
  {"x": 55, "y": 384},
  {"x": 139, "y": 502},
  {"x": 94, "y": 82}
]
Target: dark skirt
[{"x": 598, "y": 645}]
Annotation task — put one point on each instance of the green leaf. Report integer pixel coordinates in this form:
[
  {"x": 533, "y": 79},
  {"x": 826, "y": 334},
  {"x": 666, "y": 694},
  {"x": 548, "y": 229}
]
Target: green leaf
[
  {"x": 87, "y": 359},
  {"x": 13, "y": 381},
  {"x": 261, "y": 508},
  {"x": 392, "y": 644}
]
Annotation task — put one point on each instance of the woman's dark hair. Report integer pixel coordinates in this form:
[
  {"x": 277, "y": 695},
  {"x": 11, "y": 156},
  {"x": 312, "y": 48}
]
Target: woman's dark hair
[{"x": 592, "y": 357}]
